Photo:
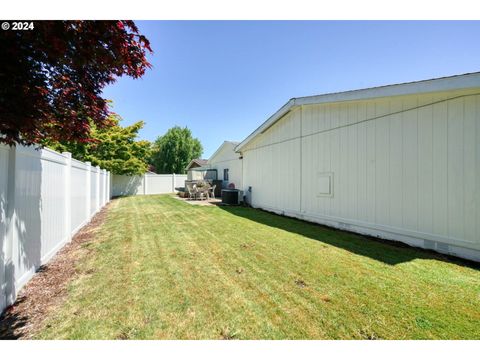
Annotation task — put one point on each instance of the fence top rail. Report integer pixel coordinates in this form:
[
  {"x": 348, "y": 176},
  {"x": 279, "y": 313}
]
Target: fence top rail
[
  {"x": 79, "y": 164},
  {"x": 41, "y": 154},
  {"x": 48, "y": 154}
]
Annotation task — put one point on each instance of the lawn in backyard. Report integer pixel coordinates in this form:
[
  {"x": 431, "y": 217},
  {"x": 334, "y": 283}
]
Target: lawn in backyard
[{"x": 163, "y": 269}]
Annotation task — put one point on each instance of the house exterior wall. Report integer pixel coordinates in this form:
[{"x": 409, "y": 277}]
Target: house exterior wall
[
  {"x": 227, "y": 158},
  {"x": 405, "y": 168}
]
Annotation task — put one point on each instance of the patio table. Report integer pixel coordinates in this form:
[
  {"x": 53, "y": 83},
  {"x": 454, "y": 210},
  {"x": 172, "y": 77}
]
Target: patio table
[{"x": 204, "y": 191}]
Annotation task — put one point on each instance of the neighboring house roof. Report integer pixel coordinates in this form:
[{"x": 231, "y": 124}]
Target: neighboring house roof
[
  {"x": 196, "y": 163},
  {"x": 456, "y": 82},
  {"x": 220, "y": 148}
]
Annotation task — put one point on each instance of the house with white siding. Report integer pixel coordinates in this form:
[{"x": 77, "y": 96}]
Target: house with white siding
[
  {"x": 399, "y": 162},
  {"x": 228, "y": 164}
]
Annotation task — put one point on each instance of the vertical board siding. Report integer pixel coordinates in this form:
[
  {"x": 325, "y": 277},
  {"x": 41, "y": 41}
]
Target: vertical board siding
[
  {"x": 470, "y": 188},
  {"x": 425, "y": 167},
  {"x": 276, "y": 186},
  {"x": 226, "y": 158},
  {"x": 476, "y": 195},
  {"x": 43, "y": 211},
  {"x": 235, "y": 171},
  {"x": 439, "y": 168},
  {"x": 455, "y": 144},
  {"x": 407, "y": 165}
]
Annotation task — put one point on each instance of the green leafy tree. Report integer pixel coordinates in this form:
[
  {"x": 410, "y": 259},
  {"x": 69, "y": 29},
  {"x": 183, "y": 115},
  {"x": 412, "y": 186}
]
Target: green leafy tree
[
  {"x": 112, "y": 147},
  {"x": 172, "y": 152}
]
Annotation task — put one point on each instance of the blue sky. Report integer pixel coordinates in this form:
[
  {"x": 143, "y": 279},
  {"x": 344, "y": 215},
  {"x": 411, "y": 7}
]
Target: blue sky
[{"x": 223, "y": 79}]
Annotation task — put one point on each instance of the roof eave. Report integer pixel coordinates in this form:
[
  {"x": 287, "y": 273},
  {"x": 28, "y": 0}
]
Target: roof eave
[
  {"x": 457, "y": 82},
  {"x": 284, "y": 110}
]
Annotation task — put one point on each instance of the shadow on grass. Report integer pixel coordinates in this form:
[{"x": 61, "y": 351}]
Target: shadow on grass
[
  {"x": 386, "y": 251},
  {"x": 12, "y": 323}
]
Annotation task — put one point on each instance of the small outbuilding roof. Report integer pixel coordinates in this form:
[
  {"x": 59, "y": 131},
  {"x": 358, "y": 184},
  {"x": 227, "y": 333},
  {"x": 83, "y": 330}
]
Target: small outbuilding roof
[
  {"x": 196, "y": 163},
  {"x": 456, "y": 82}
]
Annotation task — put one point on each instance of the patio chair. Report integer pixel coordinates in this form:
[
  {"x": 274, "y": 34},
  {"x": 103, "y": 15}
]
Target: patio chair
[
  {"x": 191, "y": 190},
  {"x": 204, "y": 192},
  {"x": 212, "y": 191}
]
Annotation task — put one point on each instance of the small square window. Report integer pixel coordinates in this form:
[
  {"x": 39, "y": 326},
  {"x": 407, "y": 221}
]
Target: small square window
[{"x": 225, "y": 174}]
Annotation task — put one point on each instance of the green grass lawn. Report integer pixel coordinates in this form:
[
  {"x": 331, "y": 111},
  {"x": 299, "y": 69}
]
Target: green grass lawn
[{"x": 164, "y": 269}]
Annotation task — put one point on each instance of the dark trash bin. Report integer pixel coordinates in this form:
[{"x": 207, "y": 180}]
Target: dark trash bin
[{"x": 218, "y": 187}]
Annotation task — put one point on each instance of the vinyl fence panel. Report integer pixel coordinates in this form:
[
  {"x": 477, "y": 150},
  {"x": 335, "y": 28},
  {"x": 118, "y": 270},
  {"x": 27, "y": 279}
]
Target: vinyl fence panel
[
  {"x": 123, "y": 185},
  {"x": 158, "y": 184},
  {"x": 101, "y": 188},
  {"x": 79, "y": 189},
  {"x": 45, "y": 198},
  {"x": 93, "y": 190},
  {"x": 148, "y": 184},
  {"x": 180, "y": 181}
]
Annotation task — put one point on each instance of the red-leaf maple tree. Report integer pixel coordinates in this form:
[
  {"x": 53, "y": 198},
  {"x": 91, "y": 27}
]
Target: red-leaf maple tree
[{"x": 52, "y": 77}]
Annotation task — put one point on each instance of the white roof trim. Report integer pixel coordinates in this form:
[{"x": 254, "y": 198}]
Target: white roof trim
[{"x": 456, "y": 82}]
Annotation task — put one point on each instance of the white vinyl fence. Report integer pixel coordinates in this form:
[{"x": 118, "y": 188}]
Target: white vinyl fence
[
  {"x": 45, "y": 198},
  {"x": 148, "y": 184}
]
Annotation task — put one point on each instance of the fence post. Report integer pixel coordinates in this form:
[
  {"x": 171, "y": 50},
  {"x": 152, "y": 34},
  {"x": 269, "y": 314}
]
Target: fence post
[
  {"x": 104, "y": 186},
  {"x": 105, "y": 196},
  {"x": 97, "y": 190},
  {"x": 11, "y": 229},
  {"x": 109, "y": 184},
  {"x": 145, "y": 186},
  {"x": 173, "y": 182},
  {"x": 68, "y": 195},
  {"x": 89, "y": 188},
  {"x": 3, "y": 235}
]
